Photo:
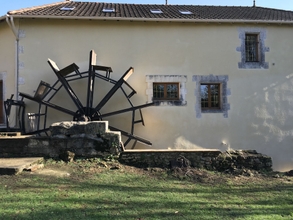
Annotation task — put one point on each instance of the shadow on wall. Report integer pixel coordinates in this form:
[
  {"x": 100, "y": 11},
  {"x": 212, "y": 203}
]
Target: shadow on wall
[
  {"x": 273, "y": 108},
  {"x": 181, "y": 143}
]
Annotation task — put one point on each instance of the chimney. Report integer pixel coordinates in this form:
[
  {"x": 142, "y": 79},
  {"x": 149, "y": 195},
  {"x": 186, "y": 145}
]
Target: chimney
[
  {"x": 166, "y": 2},
  {"x": 253, "y": 3}
]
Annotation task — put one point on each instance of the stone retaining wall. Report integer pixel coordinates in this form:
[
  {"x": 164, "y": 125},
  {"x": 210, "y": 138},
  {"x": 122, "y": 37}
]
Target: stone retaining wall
[
  {"x": 164, "y": 158},
  {"x": 208, "y": 159},
  {"x": 242, "y": 159},
  {"x": 93, "y": 139},
  {"x": 84, "y": 139}
]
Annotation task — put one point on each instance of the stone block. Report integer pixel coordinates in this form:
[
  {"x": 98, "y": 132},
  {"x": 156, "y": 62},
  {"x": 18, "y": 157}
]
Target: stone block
[{"x": 69, "y": 128}]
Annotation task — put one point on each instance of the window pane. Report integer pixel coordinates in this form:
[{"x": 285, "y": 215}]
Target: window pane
[
  {"x": 251, "y": 47},
  {"x": 215, "y": 89},
  {"x": 158, "y": 91},
  {"x": 204, "y": 93},
  {"x": 172, "y": 91}
]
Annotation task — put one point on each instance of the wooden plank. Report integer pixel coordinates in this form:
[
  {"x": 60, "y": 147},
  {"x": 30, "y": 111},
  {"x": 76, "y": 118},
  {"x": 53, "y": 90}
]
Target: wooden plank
[{"x": 9, "y": 134}]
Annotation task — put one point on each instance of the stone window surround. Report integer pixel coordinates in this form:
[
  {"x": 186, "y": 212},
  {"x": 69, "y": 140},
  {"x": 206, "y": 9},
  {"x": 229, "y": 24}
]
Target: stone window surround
[
  {"x": 181, "y": 79},
  {"x": 262, "y": 49},
  {"x": 222, "y": 79}
]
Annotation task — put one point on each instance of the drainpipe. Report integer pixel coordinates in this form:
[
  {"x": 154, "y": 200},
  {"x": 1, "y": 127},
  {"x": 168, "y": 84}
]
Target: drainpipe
[{"x": 10, "y": 22}]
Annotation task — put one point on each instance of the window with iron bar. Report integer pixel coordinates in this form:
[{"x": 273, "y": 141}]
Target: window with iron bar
[
  {"x": 166, "y": 91},
  {"x": 252, "y": 48}
]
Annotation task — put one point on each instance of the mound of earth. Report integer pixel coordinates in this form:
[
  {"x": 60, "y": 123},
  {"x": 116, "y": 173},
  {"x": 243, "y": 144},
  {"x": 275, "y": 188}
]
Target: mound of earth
[{"x": 194, "y": 175}]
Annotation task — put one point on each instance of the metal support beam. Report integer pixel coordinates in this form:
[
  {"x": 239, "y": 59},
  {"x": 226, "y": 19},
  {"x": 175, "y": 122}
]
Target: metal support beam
[
  {"x": 126, "y": 75},
  {"x": 91, "y": 82}
]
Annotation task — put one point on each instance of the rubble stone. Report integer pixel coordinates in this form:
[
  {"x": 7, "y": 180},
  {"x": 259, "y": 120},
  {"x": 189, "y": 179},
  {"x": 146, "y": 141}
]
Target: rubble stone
[
  {"x": 84, "y": 139},
  {"x": 239, "y": 162}
]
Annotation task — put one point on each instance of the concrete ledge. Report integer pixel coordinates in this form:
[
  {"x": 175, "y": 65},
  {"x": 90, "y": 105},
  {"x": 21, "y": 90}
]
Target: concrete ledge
[
  {"x": 12, "y": 166},
  {"x": 3, "y": 137},
  {"x": 171, "y": 150},
  {"x": 9, "y": 134}
]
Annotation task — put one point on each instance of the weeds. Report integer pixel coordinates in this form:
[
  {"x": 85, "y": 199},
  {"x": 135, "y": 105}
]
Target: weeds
[{"x": 95, "y": 191}]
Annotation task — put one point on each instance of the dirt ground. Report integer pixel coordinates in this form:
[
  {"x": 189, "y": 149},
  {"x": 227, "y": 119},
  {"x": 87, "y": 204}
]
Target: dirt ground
[{"x": 195, "y": 175}]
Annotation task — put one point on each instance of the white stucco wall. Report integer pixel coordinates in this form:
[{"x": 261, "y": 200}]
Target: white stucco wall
[
  {"x": 260, "y": 115},
  {"x": 7, "y": 61}
]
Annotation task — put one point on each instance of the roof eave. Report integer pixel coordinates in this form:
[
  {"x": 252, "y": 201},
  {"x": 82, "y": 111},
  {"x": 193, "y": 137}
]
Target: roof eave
[
  {"x": 152, "y": 19},
  {"x": 3, "y": 17}
]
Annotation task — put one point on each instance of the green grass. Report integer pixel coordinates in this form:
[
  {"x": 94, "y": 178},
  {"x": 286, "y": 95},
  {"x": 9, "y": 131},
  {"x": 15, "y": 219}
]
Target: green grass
[{"x": 92, "y": 192}]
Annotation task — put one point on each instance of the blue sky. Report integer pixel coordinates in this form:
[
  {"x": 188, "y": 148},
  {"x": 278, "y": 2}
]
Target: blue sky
[{"x": 7, "y": 5}]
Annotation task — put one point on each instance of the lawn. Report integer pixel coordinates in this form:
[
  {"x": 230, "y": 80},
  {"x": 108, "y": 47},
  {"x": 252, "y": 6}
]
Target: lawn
[{"x": 92, "y": 189}]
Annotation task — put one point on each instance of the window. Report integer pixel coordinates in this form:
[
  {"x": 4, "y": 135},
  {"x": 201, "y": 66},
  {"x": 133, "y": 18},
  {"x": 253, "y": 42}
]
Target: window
[
  {"x": 210, "y": 96},
  {"x": 67, "y": 8},
  {"x": 156, "y": 11},
  {"x": 184, "y": 12},
  {"x": 108, "y": 10},
  {"x": 165, "y": 91},
  {"x": 251, "y": 47}
]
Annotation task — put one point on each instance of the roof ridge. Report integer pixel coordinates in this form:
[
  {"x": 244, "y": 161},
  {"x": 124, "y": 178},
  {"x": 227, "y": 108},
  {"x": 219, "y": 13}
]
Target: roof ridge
[
  {"x": 275, "y": 9},
  {"x": 36, "y": 7}
]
